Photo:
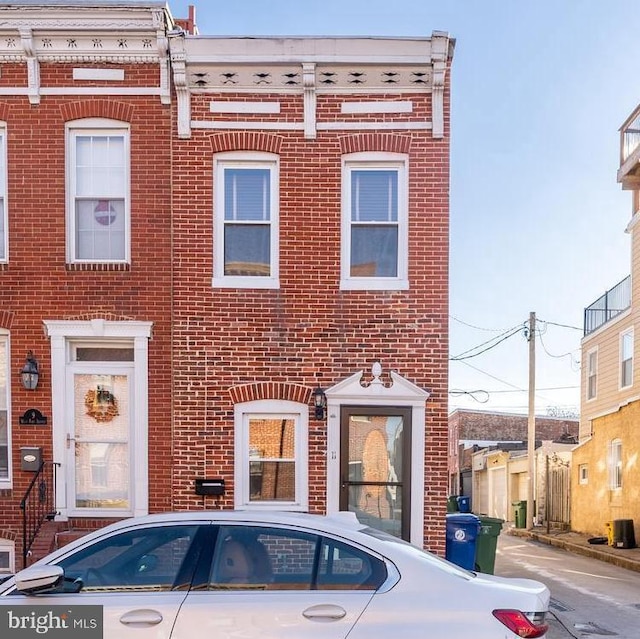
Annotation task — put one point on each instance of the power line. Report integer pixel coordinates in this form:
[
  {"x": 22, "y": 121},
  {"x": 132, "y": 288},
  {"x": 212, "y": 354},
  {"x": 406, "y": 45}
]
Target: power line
[
  {"x": 469, "y": 353},
  {"x": 575, "y": 328},
  {"x": 478, "y": 328}
]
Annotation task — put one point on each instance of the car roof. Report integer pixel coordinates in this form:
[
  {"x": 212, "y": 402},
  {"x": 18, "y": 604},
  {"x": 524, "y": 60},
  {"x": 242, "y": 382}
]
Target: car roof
[
  {"x": 342, "y": 523},
  {"x": 336, "y": 522}
]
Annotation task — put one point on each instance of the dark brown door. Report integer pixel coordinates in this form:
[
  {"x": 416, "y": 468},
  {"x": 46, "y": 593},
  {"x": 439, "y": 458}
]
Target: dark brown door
[{"x": 375, "y": 466}]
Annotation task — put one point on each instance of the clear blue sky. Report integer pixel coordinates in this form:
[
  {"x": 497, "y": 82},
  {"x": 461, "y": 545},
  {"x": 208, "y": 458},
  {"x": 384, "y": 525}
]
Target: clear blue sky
[{"x": 540, "y": 89}]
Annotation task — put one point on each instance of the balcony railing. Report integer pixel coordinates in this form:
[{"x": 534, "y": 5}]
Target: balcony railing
[{"x": 615, "y": 301}]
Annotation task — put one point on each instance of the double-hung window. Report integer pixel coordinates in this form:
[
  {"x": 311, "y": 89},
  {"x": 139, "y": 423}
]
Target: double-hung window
[
  {"x": 271, "y": 455},
  {"x": 374, "y": 222},
  {"x": 98, "y": 219},
  {"x": 246, "y": 225},
  {"x": 626, "y": 358},
  {"x": 615, "y": 464},
  {"x": 592, "y": 374},
  {"x": 3, "y": 195},
  {"x": 5, "y": 425}
]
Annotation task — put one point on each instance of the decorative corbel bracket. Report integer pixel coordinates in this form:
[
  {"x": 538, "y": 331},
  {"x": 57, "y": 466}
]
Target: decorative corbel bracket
[
  {"x": 33, "y": 66},
  {"x": 309, "y": 84},
  {"x": 439, "y": 55},
  {"x": 183, "y": 96}
]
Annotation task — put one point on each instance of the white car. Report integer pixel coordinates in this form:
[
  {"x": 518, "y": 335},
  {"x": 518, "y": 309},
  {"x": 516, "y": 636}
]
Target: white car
[{"x": 231, "y": 574}]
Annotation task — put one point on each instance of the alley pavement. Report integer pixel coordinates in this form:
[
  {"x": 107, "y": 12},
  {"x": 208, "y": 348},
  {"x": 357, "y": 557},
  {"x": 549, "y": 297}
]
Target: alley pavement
[{"x": 578, "y": 543}]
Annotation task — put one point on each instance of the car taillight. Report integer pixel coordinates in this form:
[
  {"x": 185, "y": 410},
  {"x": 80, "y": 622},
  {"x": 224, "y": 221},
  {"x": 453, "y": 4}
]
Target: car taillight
[{"x": 521, "y": 624}]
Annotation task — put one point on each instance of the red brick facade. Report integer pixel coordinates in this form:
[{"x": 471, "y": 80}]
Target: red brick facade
[{"x": 212, "y": 347}]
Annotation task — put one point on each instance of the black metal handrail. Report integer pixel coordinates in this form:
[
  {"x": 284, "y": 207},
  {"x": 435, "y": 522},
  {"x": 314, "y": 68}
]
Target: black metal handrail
[
  {"x": 37, "y": 505},
  {"x": 615, "y": 301}
]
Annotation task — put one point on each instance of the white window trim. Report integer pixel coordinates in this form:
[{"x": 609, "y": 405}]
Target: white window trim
[
  {"x": 8, "y": 546},
  {"x": 620, "y": 360},
  {"x": 583, "y": 474},
  {"x": 396, "y": 161},
  {"x": 105, "y": 127},
  {"x": 245, "y": 160},
  {"x": 7, "y": 482},
  {"x": 62, "y": 334},
  {"x": 615, "y": 482},
  {"x": 271, "y": 407},
  {"x": 4, "y": 194},
  {"x": 594, "y": 352}
]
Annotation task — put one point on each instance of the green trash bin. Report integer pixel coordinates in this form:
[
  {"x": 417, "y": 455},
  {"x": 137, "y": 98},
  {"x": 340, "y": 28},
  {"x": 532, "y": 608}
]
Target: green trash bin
[
  {"x": 520, "y": 513},
  {"x": 486, "y": 543},
  {"x": 452, "y": 504}
]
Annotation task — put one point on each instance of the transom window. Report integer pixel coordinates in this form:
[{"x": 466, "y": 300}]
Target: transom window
[
  {"x": 374, "y": 222},
  {"x": 626, "y": 359},
  {"x": 271, "y": 455},
  {"x": 246, "y": 220},
  {"x": 98, "y": 191},
  {"x": 3, "y": 195}
]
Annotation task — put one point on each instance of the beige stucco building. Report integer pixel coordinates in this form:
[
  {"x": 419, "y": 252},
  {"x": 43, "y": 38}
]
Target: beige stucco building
[{"x": 605, "y": 475}]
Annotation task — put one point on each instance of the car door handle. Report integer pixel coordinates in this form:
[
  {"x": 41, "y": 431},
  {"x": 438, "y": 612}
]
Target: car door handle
[
  {"x": 142, "y": 617},
  {"x": 324, "y": 612}
]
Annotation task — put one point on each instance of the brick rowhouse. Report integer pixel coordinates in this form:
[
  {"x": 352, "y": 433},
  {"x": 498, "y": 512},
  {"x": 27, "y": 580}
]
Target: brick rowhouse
[{"x": 212, "y": 351}]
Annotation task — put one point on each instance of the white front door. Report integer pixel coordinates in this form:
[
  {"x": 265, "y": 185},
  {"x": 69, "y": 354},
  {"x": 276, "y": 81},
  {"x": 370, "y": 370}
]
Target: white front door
[
  {"x": 99, "y": 439},
  {"x": 99, "y": 397}
]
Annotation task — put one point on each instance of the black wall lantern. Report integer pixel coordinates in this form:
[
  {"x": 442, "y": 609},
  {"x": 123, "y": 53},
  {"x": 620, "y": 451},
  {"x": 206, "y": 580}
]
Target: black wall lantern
[
  {"x": 319, "y": 402},
  {"x": 29, "y": 373}
]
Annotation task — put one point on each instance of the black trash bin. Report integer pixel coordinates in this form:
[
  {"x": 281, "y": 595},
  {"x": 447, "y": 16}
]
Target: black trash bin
[
  {"x": 462, "y": 533},
  {"x": 623, "y": 533}
]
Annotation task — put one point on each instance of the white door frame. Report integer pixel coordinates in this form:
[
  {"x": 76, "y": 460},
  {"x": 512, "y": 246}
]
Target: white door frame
[
  {"x": 401, "y": 392},
  {"x": 62, "y": 334}
]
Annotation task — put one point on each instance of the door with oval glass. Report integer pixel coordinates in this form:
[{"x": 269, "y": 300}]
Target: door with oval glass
[{"x": 375, "y": 466}]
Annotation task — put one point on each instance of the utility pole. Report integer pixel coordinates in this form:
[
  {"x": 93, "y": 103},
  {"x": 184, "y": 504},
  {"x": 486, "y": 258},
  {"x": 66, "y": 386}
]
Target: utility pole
[{"x": 531, "y": 431}]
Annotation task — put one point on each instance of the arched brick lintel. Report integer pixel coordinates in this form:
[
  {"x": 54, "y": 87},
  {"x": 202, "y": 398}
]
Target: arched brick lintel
[
  {"x": 6, "y": 319},
  {"x": 368, "y": 142},
  {"x": 97, "y": 109},
  {"x": 245, "y": 141},
  {"x": 270, "y": 390}
]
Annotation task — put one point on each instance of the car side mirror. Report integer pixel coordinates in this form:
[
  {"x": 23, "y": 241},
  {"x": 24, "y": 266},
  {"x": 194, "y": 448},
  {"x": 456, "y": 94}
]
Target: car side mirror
[{"x": 38, "y": 579}]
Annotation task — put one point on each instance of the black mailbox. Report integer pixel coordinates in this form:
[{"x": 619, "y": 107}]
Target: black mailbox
[
  {"x": 209, "y": 486},
  {"x": 30, "y": 458}
]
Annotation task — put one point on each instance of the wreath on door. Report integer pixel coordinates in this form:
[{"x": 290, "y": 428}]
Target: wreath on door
[{"x": 101, "y": 404}]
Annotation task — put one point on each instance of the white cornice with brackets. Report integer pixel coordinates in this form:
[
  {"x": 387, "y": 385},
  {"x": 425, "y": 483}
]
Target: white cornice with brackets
[{"x": 118, "y": 35}]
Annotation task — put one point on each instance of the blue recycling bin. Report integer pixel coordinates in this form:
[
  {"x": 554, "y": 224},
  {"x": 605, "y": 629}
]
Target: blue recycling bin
[
  {"x": 464, "y": 504},
  {"x": 461, "y": 535}
]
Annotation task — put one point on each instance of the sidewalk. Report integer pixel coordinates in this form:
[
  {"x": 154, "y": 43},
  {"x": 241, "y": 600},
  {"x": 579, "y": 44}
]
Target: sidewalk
[{"x": 578, "y": 543}]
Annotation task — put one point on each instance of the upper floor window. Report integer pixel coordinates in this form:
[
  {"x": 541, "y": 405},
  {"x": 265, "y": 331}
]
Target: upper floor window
[
  {"x": 626, "y": 358},
  {"x": 592, "y": 374},
  {"x": 271, "y": 455},
  {"x": 98, "y": 206},
  {"x": 374, "y": 222},
  {"x": 5, "y": 433},
  {"x": 615, "y": 464},
  {"x": 246, "y": 216}
]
